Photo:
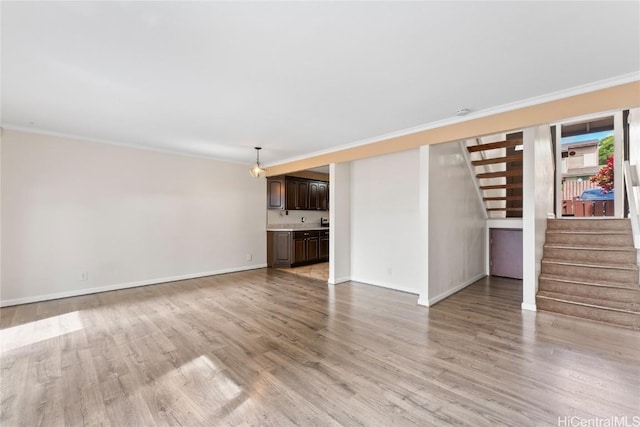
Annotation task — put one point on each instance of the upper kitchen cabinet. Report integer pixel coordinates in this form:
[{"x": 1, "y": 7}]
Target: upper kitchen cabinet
[
  {"x": 290, "y": 193},
  {"x": 275, "y": 193},
  {"x": 319, "y": 195},
  {"x": 296, "y": 194}
]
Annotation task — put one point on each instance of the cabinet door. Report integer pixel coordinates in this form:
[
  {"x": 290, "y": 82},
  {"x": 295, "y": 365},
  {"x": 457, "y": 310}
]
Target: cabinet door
[
  {"x": 282, "y": 246},
  {"x": 297, "y": 194},
  {"x": 291, "y": 194},
  {"x": 302, "y": 199},
  {"x": 314, "y": 195},
  {"x": 275, "y": 193},
  {"x": 299, "y": 250},
  {"x": 323, "y": 250},
  {"x": 313, "y": 246},
  {"x": 323, "y": 196}
]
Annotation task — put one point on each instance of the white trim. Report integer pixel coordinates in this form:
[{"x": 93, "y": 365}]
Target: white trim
[
  {"x": 554, "y": 96},
  {"x": 458, "y": 288},
  {"x": 386, "y": 285},
  {"x": 423, "y": 301},
  {"x": 340, "y": 280},
  {"x": 528, "y": 307},
  {"x": 79, "y": 292}
]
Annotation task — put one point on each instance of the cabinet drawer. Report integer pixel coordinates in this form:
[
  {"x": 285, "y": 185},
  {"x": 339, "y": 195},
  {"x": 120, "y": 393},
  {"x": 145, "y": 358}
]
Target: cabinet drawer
[{"x": 305, "y": 234}]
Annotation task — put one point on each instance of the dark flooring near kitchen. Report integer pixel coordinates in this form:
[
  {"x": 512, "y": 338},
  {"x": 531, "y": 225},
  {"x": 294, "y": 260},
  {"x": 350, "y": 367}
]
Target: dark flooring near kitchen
[{"x": 266, "y": 347}]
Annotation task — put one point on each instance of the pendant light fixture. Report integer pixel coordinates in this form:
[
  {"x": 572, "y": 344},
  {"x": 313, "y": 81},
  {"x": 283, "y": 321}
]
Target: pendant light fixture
[{"x": 257, "y": 171}]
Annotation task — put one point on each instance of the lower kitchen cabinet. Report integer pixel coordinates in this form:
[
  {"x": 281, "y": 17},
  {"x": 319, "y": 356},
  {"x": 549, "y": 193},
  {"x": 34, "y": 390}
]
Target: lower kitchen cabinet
[
  {"x": 305, "y": 247},
  {"x": 293, "y": 248},
  {"x": 323, "y": 246}
]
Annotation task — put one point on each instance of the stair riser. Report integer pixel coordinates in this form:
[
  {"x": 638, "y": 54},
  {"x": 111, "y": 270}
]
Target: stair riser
[
  {"x": 601, "y": 275},
  {"x": 589, "y": 224},
  {"x": 599, "y": 292},
  {"x": 582, "y": 255},
  {"x": 629, "y": 320},
  {"x": 619, "y": 240}
]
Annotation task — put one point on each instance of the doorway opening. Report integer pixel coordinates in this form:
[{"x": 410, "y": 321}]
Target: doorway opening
[
  {"x": 586, "y": 168},
  {"x": 298, "y": 228}
]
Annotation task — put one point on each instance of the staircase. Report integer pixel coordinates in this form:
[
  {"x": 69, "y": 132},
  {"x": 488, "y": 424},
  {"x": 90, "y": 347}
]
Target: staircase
[
  {"x": 498, "y": 167},
  {"x": 590, "y": 270}
]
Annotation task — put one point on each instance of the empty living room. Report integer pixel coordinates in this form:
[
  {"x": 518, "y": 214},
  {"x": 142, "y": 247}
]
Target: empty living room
[{"x": 310, "y": 213}]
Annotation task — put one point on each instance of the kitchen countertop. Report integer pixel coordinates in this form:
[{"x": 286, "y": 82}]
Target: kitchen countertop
[{"x": 295, "y": 227}]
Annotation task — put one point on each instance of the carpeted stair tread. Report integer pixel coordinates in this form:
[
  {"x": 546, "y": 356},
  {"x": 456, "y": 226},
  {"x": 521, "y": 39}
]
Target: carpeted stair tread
[
  {"x": 586, "y": 282},
  {"x": 589, "y": 248},
  {"x": 581, "y": 231},
  {"x": 626, "y": 307},
  {"x": 629, "y": 267}
]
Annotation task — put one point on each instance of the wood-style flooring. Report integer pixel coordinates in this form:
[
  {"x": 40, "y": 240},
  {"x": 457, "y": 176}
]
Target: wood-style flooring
[{"x": 269, "y": 348}]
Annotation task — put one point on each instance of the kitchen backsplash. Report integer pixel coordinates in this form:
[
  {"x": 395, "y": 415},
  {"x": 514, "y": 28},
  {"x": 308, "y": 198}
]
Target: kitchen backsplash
[{"x": 295, "y": 217}]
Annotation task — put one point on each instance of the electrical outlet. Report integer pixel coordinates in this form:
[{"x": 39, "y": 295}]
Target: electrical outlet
[
  {"x": 249, "y": 257},
  {"x": 389, "y": 271},
  {"x": 84, "y": 275}
]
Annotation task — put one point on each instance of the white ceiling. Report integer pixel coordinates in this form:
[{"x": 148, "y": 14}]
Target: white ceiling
[{"x": 217, "y": 78}]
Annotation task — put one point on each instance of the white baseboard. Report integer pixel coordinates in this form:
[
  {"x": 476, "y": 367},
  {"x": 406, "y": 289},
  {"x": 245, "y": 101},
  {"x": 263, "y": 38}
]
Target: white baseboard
[
  {"x": 423, "y": 301},
  {"x": 339, "y": 280},
  {"x": 529, "y": 307},
  {"x": 452, "y": 291},
  {"x": 78, "y": 292},
  {"x": 385, "y": 285}
]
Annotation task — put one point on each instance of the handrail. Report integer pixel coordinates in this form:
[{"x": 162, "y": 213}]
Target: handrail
[{"x": 631, "y": 181}]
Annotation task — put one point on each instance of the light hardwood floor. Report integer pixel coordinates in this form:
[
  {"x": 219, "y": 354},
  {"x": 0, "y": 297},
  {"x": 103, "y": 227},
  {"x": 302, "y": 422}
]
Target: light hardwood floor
[{"x": 269, "y": 348}]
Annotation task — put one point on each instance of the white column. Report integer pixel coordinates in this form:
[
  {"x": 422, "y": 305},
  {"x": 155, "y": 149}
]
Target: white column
[
  {"x": 423, "y": 228},
  {"x": 537, "y": 206},
  {"x": 618, "y": 159},
  {"x": 340, "y": 221}
]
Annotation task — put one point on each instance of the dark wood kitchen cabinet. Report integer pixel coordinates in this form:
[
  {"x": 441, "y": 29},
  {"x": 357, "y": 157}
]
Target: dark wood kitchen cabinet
[
  {"x": 279, "y": 250},
  {"x": 289, "y": 193},
  {"x": 305, "y": 246},
  {"x": 294, "y": 248},
  {"x": 275, "y": 193},
  {"x": 318, "y": 195},
  {"x": 323, "y": 246},
  {"x": 323, "y": 196},
  {"x": 297, "y": 194}
]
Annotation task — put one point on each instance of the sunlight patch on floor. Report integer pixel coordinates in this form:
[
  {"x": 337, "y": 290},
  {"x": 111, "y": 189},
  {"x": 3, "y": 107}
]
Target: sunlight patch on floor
[{"x": 39, "y": 330}]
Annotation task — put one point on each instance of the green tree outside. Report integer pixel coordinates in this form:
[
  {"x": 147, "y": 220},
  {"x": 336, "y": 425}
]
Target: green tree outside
[{"x": 605, "y": 149}]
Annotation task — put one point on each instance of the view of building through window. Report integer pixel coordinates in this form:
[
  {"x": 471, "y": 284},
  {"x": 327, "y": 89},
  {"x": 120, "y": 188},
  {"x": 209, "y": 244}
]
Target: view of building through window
[{"x": 587, "y": 174}]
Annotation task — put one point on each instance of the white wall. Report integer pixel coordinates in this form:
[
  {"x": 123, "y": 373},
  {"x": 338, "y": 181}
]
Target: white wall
[
  {"x": 340, "y": 219},
  {"x": 537, "y": 205},
  {"x": 385, "y": 249},
  {"x": 457, "y": 224},
  {"x": 124, "y": 216}
]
